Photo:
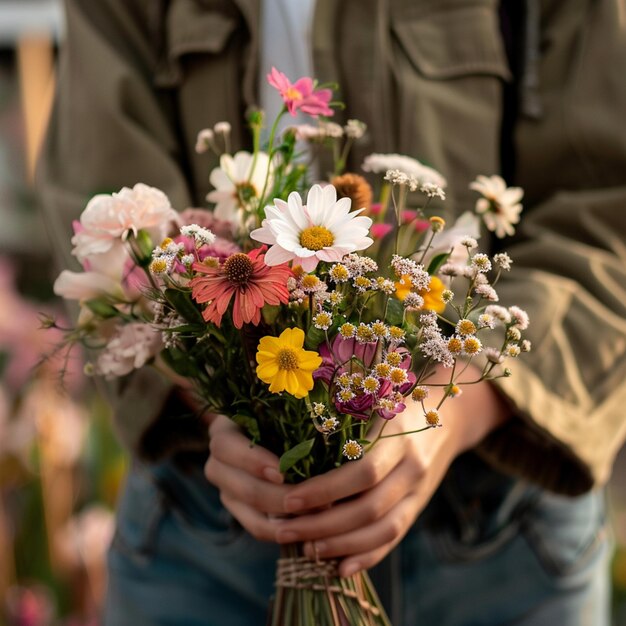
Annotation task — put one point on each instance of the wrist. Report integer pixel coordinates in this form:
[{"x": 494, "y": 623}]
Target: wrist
[{"x": 469, "y": 417}]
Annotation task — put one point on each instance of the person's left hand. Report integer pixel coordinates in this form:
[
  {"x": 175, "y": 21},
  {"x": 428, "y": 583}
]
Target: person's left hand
[{"x": 365, "y": 508}]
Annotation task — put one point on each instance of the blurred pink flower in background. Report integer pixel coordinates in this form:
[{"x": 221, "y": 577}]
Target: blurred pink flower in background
[
  {"x": 23, "y": 339},
  {"x": 29, "y": 606}
]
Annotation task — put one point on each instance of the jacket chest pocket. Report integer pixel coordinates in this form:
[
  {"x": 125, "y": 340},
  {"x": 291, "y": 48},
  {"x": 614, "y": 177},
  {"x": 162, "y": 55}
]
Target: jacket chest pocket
[
  {"x": 449, "y": 66},
  {"x": 194, "y": 27},
  {"x": 209, "y": 68}
]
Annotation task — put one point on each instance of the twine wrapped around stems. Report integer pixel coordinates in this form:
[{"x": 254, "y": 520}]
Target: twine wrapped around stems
[
  {"x": 311, "y": 593},
  {"x": 302, "y": 573}
]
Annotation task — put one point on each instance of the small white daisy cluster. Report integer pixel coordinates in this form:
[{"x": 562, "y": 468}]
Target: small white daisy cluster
[
  {"x": 206, "y": 139},
  {"x": 202, "y": 236},
  {"x": 353, "y": 130},
  {"x": 478, "y": 266},
  {"x": 323, "y": 420},
  {"x": 433, "y": 343},
  {"x": 419, "y": 277},
  {"x": 379, "y": 163},
  {"x": 373, "y": 332},
  {"x": 166, "y": 318},
  {"x": 164, "y": 257},
  {"x": 303, "y": 286},
  {"x": 376, "y": 389},
  {"x": 514, "y": 320},
  {"x": 353, "y": 269},
  {"x": 398, "y": 177}
]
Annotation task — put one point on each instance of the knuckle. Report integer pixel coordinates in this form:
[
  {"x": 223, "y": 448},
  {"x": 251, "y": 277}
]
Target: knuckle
[
  {"x": 215, "y": 444},
  {"x": 371, "y": 511},
  {"x": 370, "y": 474},
  {"x": 416, "y": 465},
  {"x": 260, "y": 532},
  {"x": 209, "y": 471},
  {"x": 247, "y": 493},
  {"x": 395, "y": 528}
]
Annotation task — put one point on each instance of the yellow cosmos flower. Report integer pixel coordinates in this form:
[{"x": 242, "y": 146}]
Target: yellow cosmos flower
[
  {"x": 285, "y": 365},
  {"x": 433, "y": 299}
]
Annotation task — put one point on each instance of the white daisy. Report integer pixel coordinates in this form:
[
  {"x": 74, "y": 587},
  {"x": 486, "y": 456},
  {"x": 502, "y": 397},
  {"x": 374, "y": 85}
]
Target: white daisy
[
  {"x": 500, "y": 205},
  {"x": 322, "y": 230},
  {"x": 379, "y": 163},
  {"x": 238, "y": 186}
]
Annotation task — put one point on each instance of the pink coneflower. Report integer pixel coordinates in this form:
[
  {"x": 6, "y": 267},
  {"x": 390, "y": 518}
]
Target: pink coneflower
[
  {"x": 247, "y": 278},
  {"x": 301, "y": 94}
]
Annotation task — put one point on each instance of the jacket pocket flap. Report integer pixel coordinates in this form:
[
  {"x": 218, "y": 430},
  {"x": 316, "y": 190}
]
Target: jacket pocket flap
[
  {"x": 464, "y": 41},
  {"x": 192, "y": 28}
]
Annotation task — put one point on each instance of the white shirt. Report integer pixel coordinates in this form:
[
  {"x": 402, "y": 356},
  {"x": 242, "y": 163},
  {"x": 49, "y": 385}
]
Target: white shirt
[{"x": 286, "y": 29}]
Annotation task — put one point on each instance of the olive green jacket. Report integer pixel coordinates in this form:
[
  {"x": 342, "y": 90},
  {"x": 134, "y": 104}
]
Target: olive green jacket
[{"x": 139, "y": 78}]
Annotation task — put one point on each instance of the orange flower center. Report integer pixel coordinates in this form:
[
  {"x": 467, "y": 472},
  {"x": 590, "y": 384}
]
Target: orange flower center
[
  {"x": 316, "y": 238},
  {"x": 287, "y": 359},
  {"x": 292, "y": 94},
  {"x": 238, "y": 268}
]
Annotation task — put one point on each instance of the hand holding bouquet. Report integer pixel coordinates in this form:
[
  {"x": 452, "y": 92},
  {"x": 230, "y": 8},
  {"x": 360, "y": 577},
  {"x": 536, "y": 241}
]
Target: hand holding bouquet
[{"x": 270, "y": 308}]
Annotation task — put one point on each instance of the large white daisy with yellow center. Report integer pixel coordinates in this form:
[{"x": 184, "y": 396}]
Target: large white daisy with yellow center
[
  {"x": 239, "y": 182},
  {"x": 322, "y": 230}
]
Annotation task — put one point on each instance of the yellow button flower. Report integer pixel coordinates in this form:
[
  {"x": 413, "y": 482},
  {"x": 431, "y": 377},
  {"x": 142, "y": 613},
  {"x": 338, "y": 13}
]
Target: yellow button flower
[{"x": 285, "y": 365}]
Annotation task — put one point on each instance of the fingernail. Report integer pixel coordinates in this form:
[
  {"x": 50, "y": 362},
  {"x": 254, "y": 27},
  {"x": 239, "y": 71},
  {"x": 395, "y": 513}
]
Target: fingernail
[
  {"x": 294, "y": 504},
  {"x": 286, "y": 536},
  {"x": 273, "y": 475},
  {"x": 350, "y": 568}
]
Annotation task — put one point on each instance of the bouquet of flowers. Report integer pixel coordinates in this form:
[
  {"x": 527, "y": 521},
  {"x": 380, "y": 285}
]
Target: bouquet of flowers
[{"x": 269, "y": 307}]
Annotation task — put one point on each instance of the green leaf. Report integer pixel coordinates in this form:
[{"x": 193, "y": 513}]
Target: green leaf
[
  {"x": 270, "y": 313},
  {"x": 102, "y": 308},
  {"x": 180, "y": 362},
  {"x": 184, "y": 305},
  {"x": 437, "y": 261},
  {"x": 297, "y": 453},
  {"x": 314, "y": 338},
  {"x": 249, "y": 424},
  {"x": 395, "y": 312}
]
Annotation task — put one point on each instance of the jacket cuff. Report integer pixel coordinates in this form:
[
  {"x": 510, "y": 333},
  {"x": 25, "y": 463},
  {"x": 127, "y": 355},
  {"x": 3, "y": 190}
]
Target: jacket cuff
[
  {"x": 549, "y": 441},
  {"x": 151, "y": 418}
]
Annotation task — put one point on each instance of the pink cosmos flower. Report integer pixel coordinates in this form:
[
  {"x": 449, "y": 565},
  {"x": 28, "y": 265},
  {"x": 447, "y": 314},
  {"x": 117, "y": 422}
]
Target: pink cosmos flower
[
  {"x": 301, "y": 94},
  {"x": 245, "y": 276}
]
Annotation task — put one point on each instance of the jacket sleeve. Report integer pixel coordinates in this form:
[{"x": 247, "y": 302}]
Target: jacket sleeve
[
  {"x": 569, "y": 268},
  {"x": 110, "y": 127},
  {"x": 568, "y": 393}
]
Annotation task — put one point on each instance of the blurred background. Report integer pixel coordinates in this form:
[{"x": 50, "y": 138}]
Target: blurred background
[{"x": 60, "y": 465}]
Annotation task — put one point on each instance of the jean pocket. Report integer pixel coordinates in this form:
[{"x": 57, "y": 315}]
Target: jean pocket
[
  {"x": 566, "y": 533},
  {"x": 476, "y": 530}
]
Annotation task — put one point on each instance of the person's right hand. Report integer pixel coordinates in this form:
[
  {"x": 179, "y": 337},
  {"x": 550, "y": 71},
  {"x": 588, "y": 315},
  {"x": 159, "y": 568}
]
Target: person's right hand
[{"x": 247, "y": 476}]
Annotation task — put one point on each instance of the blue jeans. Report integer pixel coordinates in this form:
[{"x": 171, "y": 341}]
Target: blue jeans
[{"x": 488, "y": 550}]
